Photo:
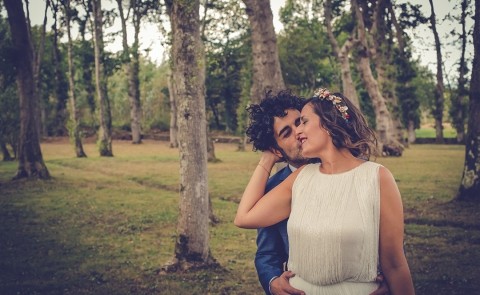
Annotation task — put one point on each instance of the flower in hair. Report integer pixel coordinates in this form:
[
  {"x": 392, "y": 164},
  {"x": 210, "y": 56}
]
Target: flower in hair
[{"x": 338, "y": 102}]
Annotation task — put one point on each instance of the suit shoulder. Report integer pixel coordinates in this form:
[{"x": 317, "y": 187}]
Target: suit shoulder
[{"x": 278, "y": 177}]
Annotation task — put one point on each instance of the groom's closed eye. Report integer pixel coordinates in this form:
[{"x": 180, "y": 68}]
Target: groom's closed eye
[{"x": 285, "y": 132}]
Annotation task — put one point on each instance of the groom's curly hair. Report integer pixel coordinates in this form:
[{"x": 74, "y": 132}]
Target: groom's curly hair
[{"x": 260, "y": 129}]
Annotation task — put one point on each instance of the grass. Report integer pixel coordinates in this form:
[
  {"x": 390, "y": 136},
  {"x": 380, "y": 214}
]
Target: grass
[
  {"x": 107, "y": 225},
  {"x": 428, "y": 131}
]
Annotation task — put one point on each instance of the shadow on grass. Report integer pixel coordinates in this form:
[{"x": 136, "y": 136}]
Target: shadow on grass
[
  {"x": 443, "y": 247},
  {"x": 44, "y": 252}
]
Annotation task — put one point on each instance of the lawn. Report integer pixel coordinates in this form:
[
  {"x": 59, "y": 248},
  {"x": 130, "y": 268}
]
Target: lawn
[
  {"x": 107, "y": 225},
  {"x": 428, "y": 131}
]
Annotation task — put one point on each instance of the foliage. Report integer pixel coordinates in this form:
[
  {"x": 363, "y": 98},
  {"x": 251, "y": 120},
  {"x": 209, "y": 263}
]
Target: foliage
[
  {"x": 411, "y": 16},
  {"x": 9, "y": 105},
  {"x": 459, "y": 100},
  {"x": 9, "y": 116},
  {"x": 107, "y": 225},
  {"x": 154, "y": 101},
  {"x": 406, "y": 90},
  {"x": 304, "y": 49},
  {"x": 46, "y": 78},
  {"x": 424, "y": 82},
  {"x": 224, "y": 85},
  {"x": 84, "y": 63},
  {"x": 304, "y": 52},
  {"x": 226, "y": 37}
]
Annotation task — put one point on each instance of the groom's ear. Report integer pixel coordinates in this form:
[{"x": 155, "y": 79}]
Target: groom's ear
[{"x": 276, "y": 152}]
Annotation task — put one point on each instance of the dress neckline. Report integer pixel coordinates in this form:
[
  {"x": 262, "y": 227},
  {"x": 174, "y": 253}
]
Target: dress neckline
[{"x": 340, "y": 173}]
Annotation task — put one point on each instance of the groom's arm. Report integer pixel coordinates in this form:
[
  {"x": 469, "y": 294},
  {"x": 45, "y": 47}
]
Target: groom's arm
[{"x": 270, "y": 256}]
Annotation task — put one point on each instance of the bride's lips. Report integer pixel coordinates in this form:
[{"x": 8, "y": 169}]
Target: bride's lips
[{"x": 301, "y": 140}]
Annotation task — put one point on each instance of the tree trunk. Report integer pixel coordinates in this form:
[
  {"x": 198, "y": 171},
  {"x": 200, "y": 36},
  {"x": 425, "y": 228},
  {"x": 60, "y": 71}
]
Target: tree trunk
[
  {"x": 211, "y": 158},
  {"x": 30, "y": 159},
  {"x": 105, "y": 119},
  {"x": 405, "y": 89},
  {"x": 439, "y": 89},
  {"x": 382, "y": 57},
  {"x": 342, "y": 57},
  {"x": 412, "y": 137},
  {"x": 173, "y": 113},
  {"x": 267, "y": 74},
  {"x": 458, "y": 109},
  {"x": 37, "y": 65},
  {"x": 386, "y": 141},
  {"x": 74, "y": 121},
  {"x": 192, "y": 243},
  {"x": 132, "y": 69},
  {"x": 132, "y": 57},
  {"x": 470, "y": 185},
  {"x": 5, "y": 152},
  {"x": 87, "y": 71},
  {"x": 60, "y": 89},
  {"x": 133, "y": 85}
]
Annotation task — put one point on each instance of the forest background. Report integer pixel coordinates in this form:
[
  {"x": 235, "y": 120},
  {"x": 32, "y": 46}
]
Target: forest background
[
  {"x": 304, "y": 52},
  {"x": 102, "y": 212}
]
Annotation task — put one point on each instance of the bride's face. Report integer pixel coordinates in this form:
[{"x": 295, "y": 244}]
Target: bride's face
[{"x": 312, "y": 136}]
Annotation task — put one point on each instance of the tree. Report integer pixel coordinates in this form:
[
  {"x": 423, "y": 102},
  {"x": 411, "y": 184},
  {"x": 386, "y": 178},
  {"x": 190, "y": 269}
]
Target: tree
[
  {"x": 225, "y": 33},
  {"x": 9, "y": 117},
  {"x": 210, "y": 145},
  {"x": 267, "y": 74},
  {"x": 470, "y": 184},
  {"x": 341, "y": 55},
  {"x": 386, "y": 139},
  {"x": 382, "y": 56},
  {"x": 131, "y": 55},
  {"x": 192, "y": 243},
  {"x": 9, "y": 109},
  {"x": 173, "y": 112},
  {"x": 30, "y": 159},
  {"x": 305, "y": 55},
  {"x": 74, "y": 130},
  {"x": 60, "y": 85},
  {"x": 105, "y": 118},
  {"x": 458, "y": 109},
  {"x": 37, "y": 66},
  {"x": 440, "y": 88},
  {"x": 86, "y": 55},
  {"x": 405, "y": 72}
]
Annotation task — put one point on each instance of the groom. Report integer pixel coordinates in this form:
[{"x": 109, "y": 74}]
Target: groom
[{"x": 272, "y": 127}]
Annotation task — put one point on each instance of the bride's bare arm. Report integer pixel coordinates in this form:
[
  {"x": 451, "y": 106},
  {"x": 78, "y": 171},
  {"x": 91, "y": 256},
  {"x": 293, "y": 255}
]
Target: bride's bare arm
[
  {"x": 392, "y": 257},
  {"x": 255, "y": 211}
]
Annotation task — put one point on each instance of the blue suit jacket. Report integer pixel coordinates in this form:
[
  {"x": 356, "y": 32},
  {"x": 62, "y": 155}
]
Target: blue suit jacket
[{"x": 272, "y": 241}]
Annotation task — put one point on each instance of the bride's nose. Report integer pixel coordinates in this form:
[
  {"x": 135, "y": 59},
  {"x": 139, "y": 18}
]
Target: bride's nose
[{"x": 299, "y": 130}]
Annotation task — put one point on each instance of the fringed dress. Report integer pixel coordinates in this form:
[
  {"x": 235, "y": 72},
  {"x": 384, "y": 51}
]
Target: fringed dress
[{"x": 333, "y": 230}]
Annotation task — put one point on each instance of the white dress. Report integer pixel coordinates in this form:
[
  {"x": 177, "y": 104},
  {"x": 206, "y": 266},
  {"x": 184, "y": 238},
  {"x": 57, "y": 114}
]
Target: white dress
[{"x": 333, "y": 230}]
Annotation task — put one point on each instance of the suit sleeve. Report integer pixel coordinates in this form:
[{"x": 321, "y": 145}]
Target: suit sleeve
[{"x": 270, "y": 255}]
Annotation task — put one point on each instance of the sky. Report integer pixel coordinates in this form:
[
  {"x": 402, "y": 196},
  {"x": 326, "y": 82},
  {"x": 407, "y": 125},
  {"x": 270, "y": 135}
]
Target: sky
[{"x": 151, "y": 39}]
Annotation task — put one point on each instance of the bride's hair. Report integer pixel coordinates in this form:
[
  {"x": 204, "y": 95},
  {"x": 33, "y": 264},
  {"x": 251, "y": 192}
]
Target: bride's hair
[{"x": 347, "y": 131}]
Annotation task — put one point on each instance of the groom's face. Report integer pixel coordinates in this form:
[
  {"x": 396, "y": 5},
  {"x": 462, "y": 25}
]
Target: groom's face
[{"x": 285, "y": 135}]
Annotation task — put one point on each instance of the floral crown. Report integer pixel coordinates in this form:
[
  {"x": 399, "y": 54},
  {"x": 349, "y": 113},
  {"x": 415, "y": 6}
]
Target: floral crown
[{"x": 338, "y": 102}]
